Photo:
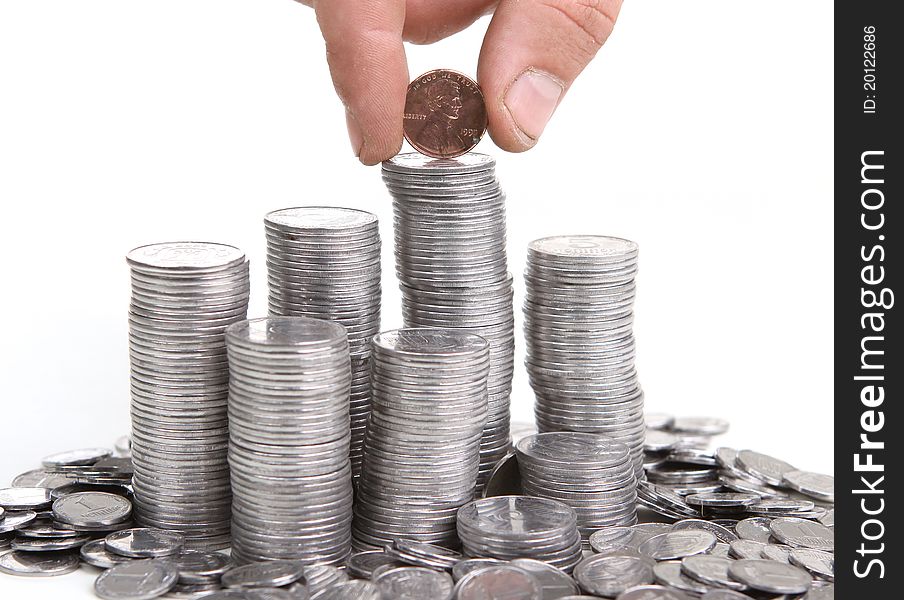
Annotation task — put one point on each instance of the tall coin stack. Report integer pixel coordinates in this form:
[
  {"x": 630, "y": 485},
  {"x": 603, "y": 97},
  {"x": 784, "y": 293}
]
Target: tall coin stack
[
  {"x": 288, "y": 440},
  {"x": 324, "y": 263},
  {"x": 421, "y": 448},
  {"x": 184, "y": 296},
  {"x": 451, "y": 262},
  {"x": 578, "y": 323},
  {"x": 588, "y": 472}
]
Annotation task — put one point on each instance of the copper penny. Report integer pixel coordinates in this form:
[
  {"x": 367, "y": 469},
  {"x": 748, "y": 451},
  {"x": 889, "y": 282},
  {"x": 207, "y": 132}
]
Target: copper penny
[{"x": 445, "y": 115}]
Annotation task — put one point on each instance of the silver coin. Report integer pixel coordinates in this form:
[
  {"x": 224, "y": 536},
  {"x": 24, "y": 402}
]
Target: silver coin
[
  {"x": 83, "y": 456},
  {"x": 652, "y": 592},
  {"x": 802, "y": 533},
  {"x": 746, "y": 548},
  {"x": 37, "y": 564},
  {"x": 413, "y": 583},
  {"x": 136, "y": 580},
  {"x": 362, "y": 564},
  {"x": 197, "y": 566},
  {"x": 770, "y": 576},
  {"x": 678, "y": 544},
  {"x": 700, "y": 425},
  {"x": 25, "y": 498},
  {"x": 468, "y": 565},
  {"x": 13, "y": 521},
  {"x": 499, "y": 582},
  {"x": 275, "y": 573},
  {"x": 816, "y": 562},
  {"x": 825, "y": 592},
  {"x": 554, "y": 582},
  {"x": 43, "y": 529},
  {"x": 92, "y": 509},
  {"x": 41, "y": 478},
  {"x": 722, "y": 499},
  {"x": 763, "y": 467},
  {"x": 777, "y": 552},
  {"x": 722, "y": 533},
  {"x": 27, "y": 544},
  {"x": 711, "y": 570},
  {"x": 669, "y": 574},
  {"x": 609, "y": 575},
  {"x": 815, "y": 485},
  {"x": 724, "y": 595},
  {"x": 145, "y": 542},
  {"x": 754, "y": 528},
  {"x": 95, "y": 553}
]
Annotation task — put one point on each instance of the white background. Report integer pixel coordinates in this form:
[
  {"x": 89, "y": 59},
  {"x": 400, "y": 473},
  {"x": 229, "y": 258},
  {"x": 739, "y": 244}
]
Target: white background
[{"x": 704, "y": 131}]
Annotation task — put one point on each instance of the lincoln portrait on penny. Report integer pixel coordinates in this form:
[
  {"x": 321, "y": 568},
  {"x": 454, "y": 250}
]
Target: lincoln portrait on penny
[{"x": 443, "y": 105}]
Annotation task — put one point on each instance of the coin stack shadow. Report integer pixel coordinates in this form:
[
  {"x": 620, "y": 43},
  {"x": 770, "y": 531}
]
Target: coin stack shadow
[
  {"x": 578, "y": 325},
  {"x": 324, "y": 263},
  {"x": 289, "y": 439},
  {"x": 588, "y": 472},
  {"x": 184, "y": 296},
  {"x": 450, "y": 254},
  {"x": 421, "y": 446}
]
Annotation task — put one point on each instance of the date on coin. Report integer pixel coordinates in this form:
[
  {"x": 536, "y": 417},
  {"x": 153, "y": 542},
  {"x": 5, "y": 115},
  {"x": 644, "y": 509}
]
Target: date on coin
[{"x": 445, "y": 115}]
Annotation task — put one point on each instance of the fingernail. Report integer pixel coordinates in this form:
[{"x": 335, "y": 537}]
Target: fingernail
[
  {"x": 531, "y": 100},
  {"x": 354, "y": 133}
]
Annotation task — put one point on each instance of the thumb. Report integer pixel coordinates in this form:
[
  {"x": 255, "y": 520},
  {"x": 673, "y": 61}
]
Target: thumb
[{"x": 533, "y": 51}]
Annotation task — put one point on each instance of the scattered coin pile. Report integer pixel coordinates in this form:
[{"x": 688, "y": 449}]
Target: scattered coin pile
[
  {"x": 578, "y": 326},
  {"x": 289, "y": 440},
  {"x": 588, "y": 472},
  {"x": 421, "y": 448},
  {"x": 450, "y": 240},
  {"x": 713, "y": 543},
  {"x": 184, "y": 296},
  {"x": 324, "y": 262}
]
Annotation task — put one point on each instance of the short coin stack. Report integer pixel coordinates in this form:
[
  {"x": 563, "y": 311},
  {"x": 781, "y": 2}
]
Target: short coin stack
[
  {"x": 578, "y": 320},
  {"x": 289, "y": 439},
  {"x": 510, "y": 527},
  {"x": 586, "y": 471},
  {"x": 421, "y": 448},
  {"x": 184, "y": 296},
  {"x": 324, "y": 262},
  {"x": 450, "y": 242}
]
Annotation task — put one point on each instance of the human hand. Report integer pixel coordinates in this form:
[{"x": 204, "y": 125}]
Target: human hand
[{"x": 532, "y": 52}]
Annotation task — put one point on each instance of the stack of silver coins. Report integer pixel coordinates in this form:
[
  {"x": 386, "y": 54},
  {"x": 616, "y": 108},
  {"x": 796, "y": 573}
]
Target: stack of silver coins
[
  {"x": 451, "y": 262},
  {"x": 288, "y": 440},
  {"x": 588, "y": 472},
  {"x": 421, "y": 448},
  {"x": 578, "y": 324},
  {"x": 510, "y": 527},
  {"x": 184, "y": 296},
  {"x": 324, "y": 262}
]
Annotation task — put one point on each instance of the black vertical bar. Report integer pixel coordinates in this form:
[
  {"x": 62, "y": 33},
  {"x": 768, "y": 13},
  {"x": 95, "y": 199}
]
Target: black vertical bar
[{"x": 868, "y": 266}]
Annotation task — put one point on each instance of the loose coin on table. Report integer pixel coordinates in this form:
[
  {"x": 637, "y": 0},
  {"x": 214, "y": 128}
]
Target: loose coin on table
[
  {"x": 25, "y": 498},
  {"x": 274, "y": 573},
  {"x": 507, "y": 582},
  {"x": 609, "y": 575},
  {"x": 145, "y": 542},
  {"x": 414, "y": 583},
  {"x": 92, "y": 509},
  {"x": 770, "y": 576},
  {"x": 137, "y": 580},
  {"x": 37, "y": 564}
]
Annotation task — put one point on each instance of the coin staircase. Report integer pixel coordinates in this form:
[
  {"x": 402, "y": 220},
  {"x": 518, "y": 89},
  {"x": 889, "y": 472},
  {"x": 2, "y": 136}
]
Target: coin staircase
[{"x": 306, "y": 455}]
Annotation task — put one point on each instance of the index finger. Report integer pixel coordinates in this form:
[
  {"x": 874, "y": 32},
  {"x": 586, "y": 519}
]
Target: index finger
[{"x": 367, "y": 62}]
